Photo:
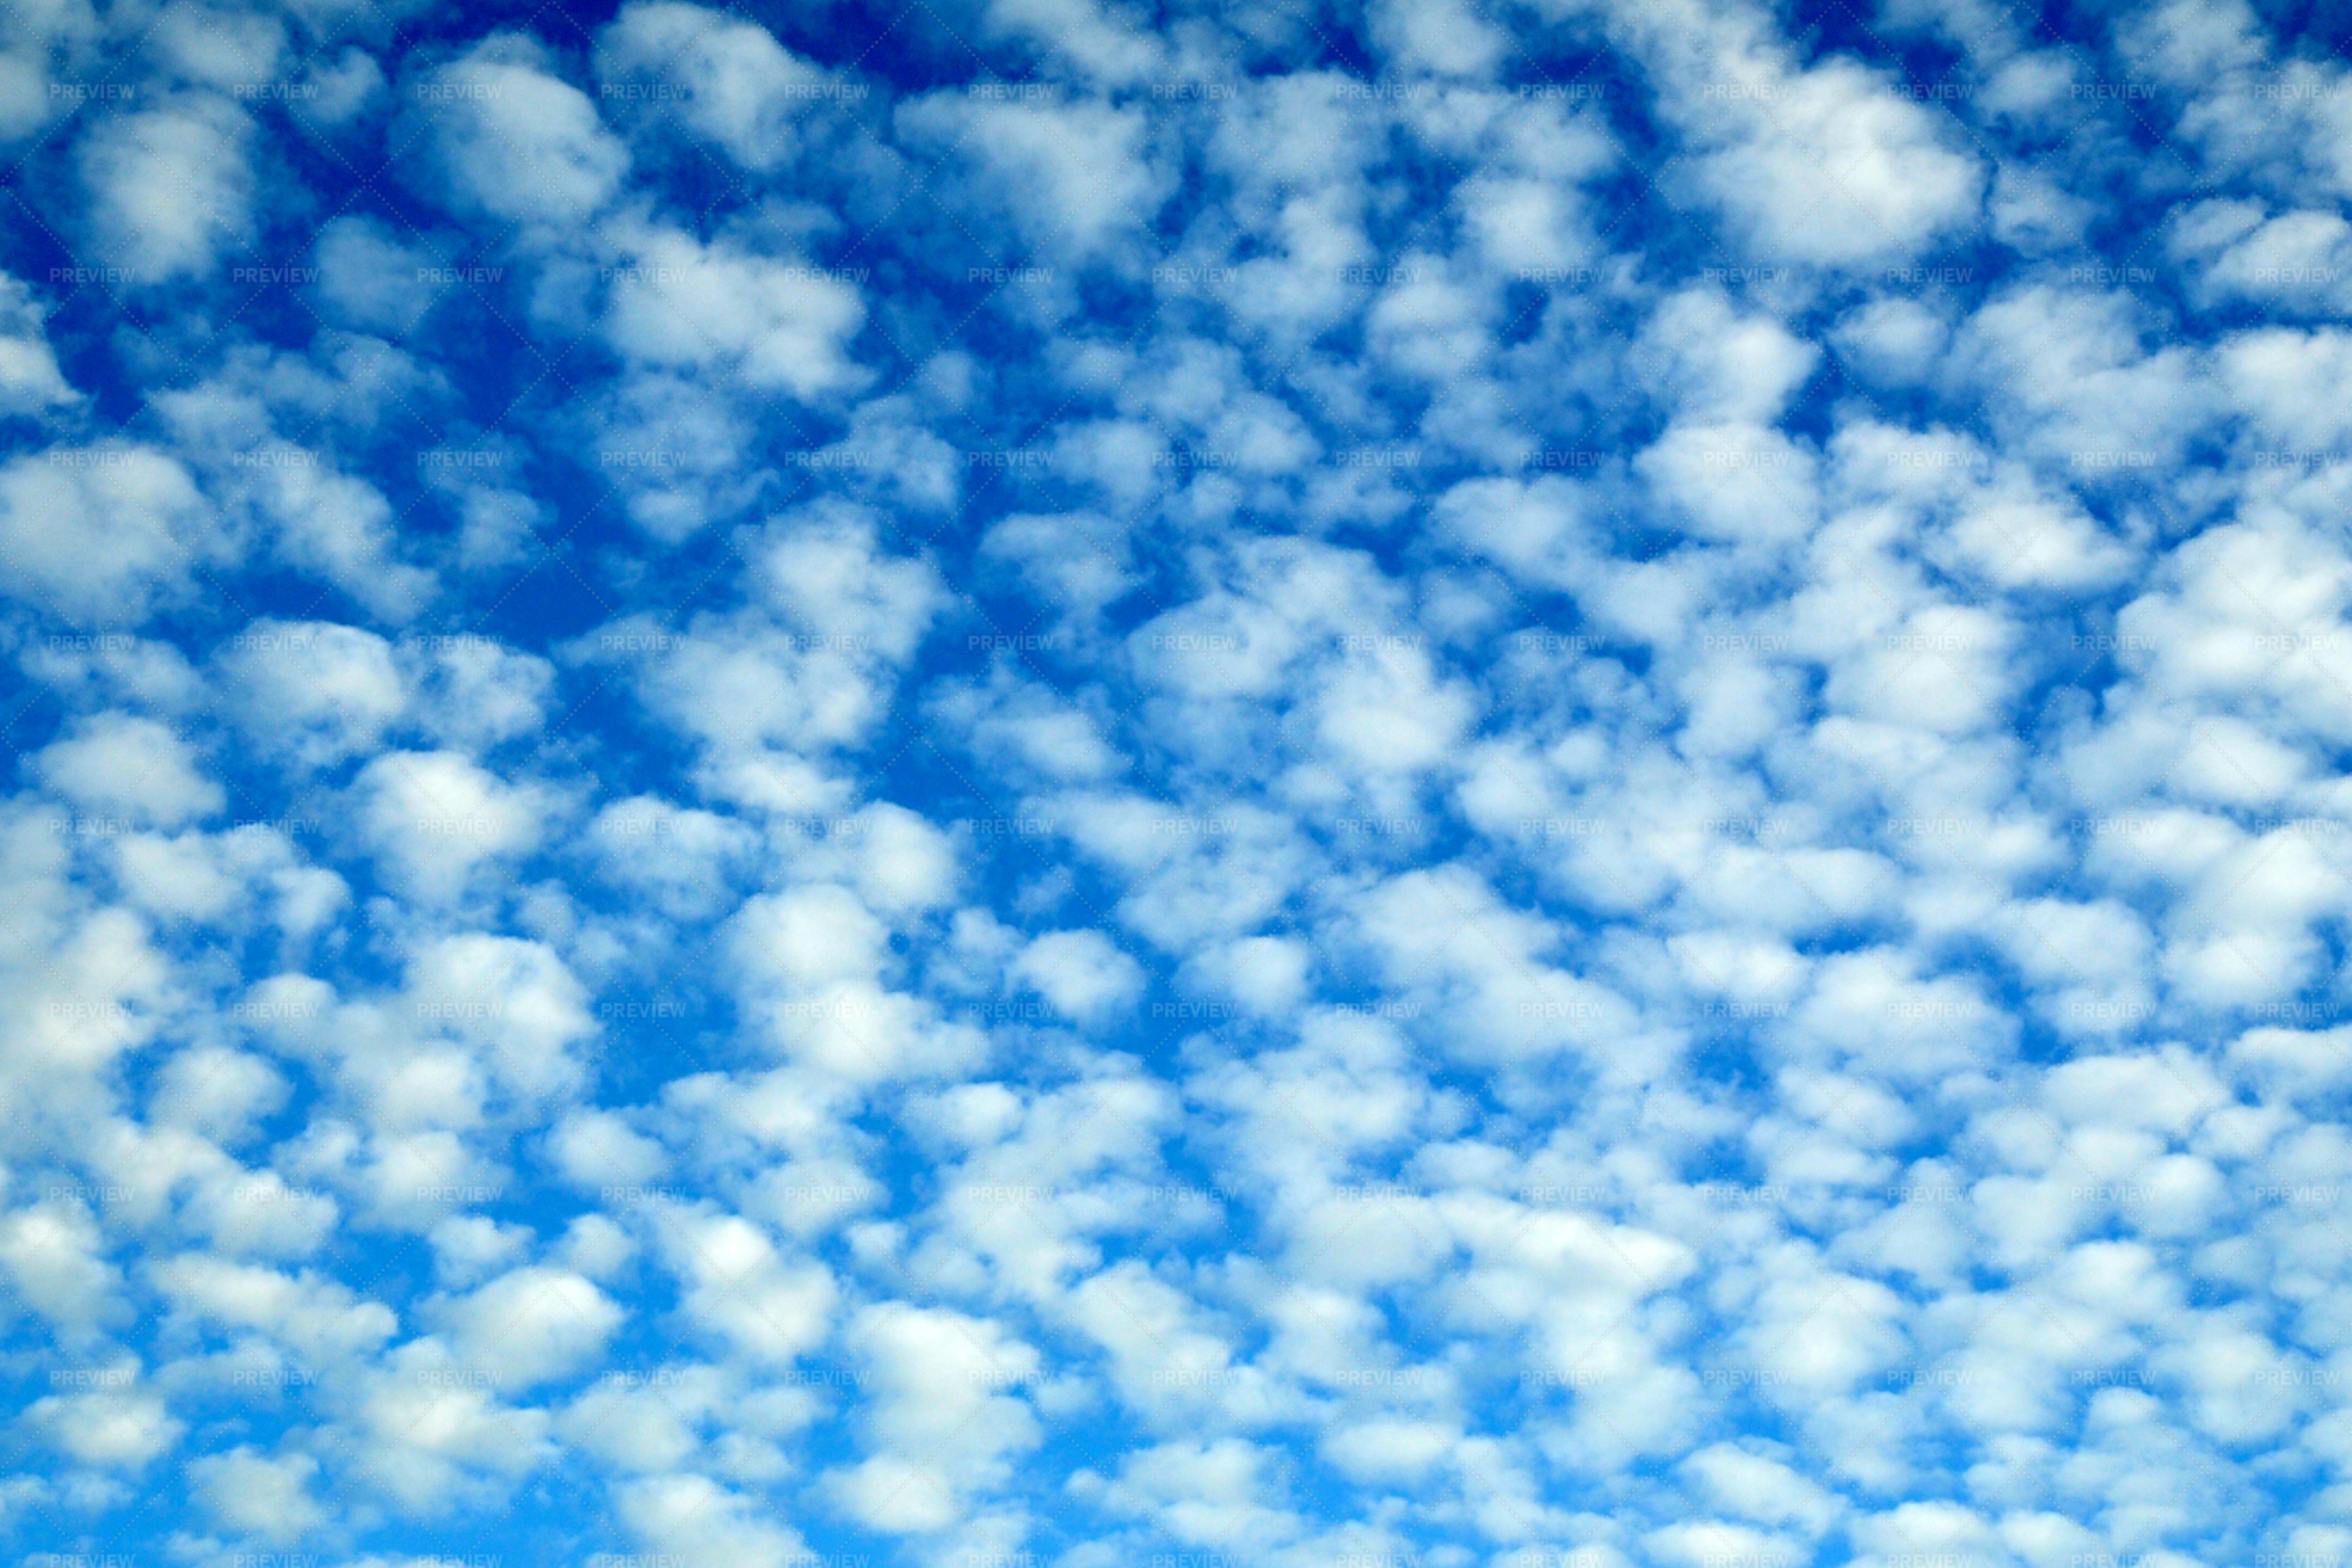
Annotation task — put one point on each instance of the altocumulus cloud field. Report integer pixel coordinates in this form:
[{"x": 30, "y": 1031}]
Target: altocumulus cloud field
[{"x": 1024, "y": 783}]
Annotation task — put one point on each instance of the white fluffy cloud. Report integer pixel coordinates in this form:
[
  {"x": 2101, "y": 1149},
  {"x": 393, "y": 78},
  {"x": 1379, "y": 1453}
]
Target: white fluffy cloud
[
  {"x": 1826, "y": 163},
  {"x": 733, "y": 84},
  {"x": 115, "y": 763},
  {"x": 514, "y": 141},
  {"x": 30, "y": 381},
  {"x": 776, "y": 325},
  {"x": 1077, "y": 181},
  {"x": 251, "y": 1495},
  {"x": 434, "y": 818},
  {"x": 100, "y": 534},
  {"x": 1079, "y": 973},
  {"x": 171, "y": 191}
]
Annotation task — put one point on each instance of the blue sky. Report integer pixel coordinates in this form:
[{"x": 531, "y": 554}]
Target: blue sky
[{"x": 1038, "y": 785}]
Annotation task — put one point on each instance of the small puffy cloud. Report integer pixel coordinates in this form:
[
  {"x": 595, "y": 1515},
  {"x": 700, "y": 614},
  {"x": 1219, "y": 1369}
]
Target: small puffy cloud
[
  {"x": 828, "y": 569},
  {"x": 118, "y": 1429},
  {"x": 2289, "y": 383},
  {"x": 1080, "y": 973},
  {"x": 318, "y": 1320},
  {"x": 475, "y": 694},
  {"x": 530, "y": 1326},
  {"x": 1109, "y": 43},
  {"x": 2089, "y": 395},
  {"x": 775, "y": 325},
  {"x": 232, "y": 879},
  {"x": 809, "y": 937},
  {"x": 1386, "y": 710},
  {"x": 901, "y": 863},
  {"x": 1073, "y": 565},
  {"x": 467, "y": 1248},
  {"x": 681, "y": 457},
  {"x": 737, "y": 1286},
  {"x": 30, "y": 381},
  {"x": 371, "y": 278},
  {"x": 1826, "y": 163},
  {"x": 1023, "y": 727},
  {"x": 1391, "y": 1452},
  {"x": 2297, "y": 263},
  {"x": 260, "y": 1214},
  {"x": 684, "y": 860},
  {"x": 696, "y": 1523},
  {"x": 1216, "y": 1494},
  {"x": 256, "y": 1497},
  {"x": 341, "y": 88},
  {"x": 940, "y": 1422},
  {"x": 1447, "y": 39},
  {"x": 101, "y": 534},
  {"x": 1078, "y": 181},
  {"x": 339, "y": 528},
  {"x": 514, "y": 1001},
  {"x": 56, "y": 1261},
  {"x": 1758, "y": 1487},
  {"x": 315, "y": 692},
  {"x": 434, "y": 1436},
  {"x": 1873, "y": 1007},
  {"x": 170, "y": 189},
  {"x": 433, "y": 818},
  {"x": 515, "y": 142},
  {"x": 219, "y": 49},
  {"x": 116, "y": 763},
  {"x": 736, "y": 86},
  {"x": 599, "y": 1149},
  {"x": 1728, "y": 367},
  {"x": 218, "y": 1091}
]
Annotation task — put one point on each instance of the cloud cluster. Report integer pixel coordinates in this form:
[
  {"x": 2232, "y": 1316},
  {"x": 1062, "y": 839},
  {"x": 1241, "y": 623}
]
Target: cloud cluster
[{"x": 1043, "y": 782}]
